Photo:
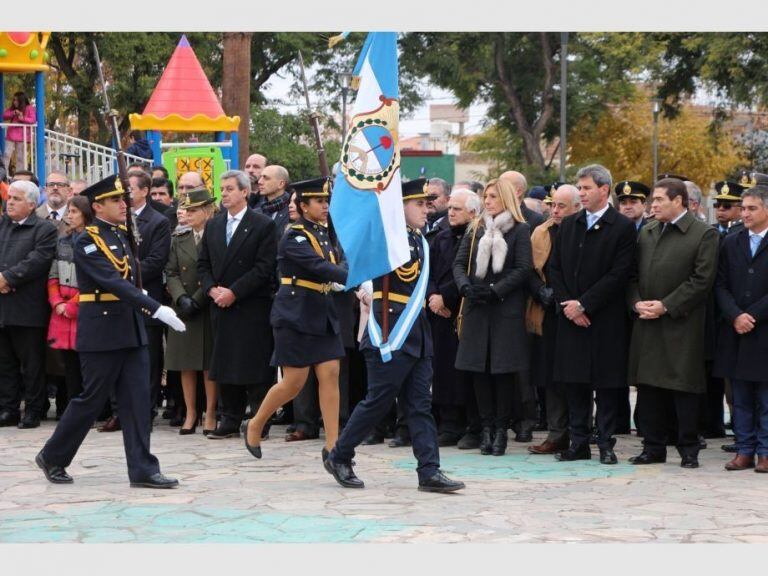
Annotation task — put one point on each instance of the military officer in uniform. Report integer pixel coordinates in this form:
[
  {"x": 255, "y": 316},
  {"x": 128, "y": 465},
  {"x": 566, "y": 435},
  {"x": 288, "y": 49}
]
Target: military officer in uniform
[
  {"x": 728, "y": 207},
  {"x": 632, "y": 198},
  {"x": 112, "y": 343},
  {"x": 304, "y": 319},
  {"x": 408, "y": 373}
]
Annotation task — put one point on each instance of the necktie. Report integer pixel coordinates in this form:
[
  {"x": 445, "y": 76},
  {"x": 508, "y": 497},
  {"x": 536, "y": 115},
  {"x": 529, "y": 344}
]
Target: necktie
[
  {"x": 230, "y": 229},
  {"x": 53, "y": 215},
  {"x": 590, "y": 220},
  {"x": 198, "y": 237},
  {"x": 754, "y": 241}
]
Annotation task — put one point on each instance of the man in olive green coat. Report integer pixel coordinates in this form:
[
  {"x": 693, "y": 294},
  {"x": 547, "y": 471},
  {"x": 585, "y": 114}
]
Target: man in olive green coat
[{"x": 677, "y": 265}]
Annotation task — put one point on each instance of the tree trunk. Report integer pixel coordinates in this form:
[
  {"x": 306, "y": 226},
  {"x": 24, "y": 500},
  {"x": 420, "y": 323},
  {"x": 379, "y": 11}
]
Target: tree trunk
[{"x": 236, "y": 84}]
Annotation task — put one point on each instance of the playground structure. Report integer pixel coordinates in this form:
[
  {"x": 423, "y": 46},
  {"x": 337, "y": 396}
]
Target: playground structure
[{"x": 183, "y": 102}]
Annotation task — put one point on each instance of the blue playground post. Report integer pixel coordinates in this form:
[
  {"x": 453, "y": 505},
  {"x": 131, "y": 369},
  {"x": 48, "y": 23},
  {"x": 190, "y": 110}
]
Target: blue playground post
[
  {"x": 40, "y": 130},
  {"x": 235, "y": 150},
  {"x": 154, "y": 138}
]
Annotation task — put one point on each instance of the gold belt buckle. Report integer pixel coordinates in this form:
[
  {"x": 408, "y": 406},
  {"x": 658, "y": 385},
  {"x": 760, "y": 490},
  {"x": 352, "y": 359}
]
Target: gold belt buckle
[{"x": 326, "y": 288}]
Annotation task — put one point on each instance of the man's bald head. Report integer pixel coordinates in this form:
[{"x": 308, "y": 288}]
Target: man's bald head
[
  {"x": 188, "y": 181},
  {"x": 273, "y": 181},
  {"x": 565, "y": 201},
  {"x": 518, "y": 181}
]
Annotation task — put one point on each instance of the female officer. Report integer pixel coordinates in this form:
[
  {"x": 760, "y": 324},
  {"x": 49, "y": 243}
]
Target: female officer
[{"x": 303, "y": 318}]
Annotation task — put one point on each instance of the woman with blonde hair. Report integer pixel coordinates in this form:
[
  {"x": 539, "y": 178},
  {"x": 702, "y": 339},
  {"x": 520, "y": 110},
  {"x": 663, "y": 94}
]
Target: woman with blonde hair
[{"x": 491, "y": 269}]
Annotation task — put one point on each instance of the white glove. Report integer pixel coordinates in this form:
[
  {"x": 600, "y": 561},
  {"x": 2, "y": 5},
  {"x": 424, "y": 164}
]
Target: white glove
[
  {"x": 166, "y": 315},
  {"x": 336, "y": 287}
]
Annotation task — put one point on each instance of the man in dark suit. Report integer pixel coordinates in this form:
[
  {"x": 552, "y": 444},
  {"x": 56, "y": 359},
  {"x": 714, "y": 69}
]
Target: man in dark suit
[
  {"x": 57, "y": 192},
  {"x": 742, "y": 294},
  {"x": 273, "y": 184},
  {"x": 27, "y": 247},
  {"x": 437, "y": 216},
  {"x": 407, "y": 374},
  {"x": 112, "y": 343},
  {"x": 236, "y": 266},
  {"x": 590, "y": 265}
]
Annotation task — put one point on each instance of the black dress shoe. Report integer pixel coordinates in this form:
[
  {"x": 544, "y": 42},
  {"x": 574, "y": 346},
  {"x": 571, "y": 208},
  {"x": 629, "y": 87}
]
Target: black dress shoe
[
  {"x": 207, "y": 431},
  {"x": 29, "y": 421},
  {"x": 440, "y": 483},
  {"x": 470, "y": 441},
  {"x": 373, "y": 439},
  {"x": 446, "y": 439},
  {"x": 689, "y": 462},
  {"x": 8, "y": 419},
  {"x": 645, "y": 458},
  {"x": 343, "y": 474},
  {"x": 571, "y": 454},
  {"x": 187, "y": 431},
  {"x": 702, "y": 443},
  {"x": 486, "y": 441},
  {"x": 399, "y": 442},
  {"x": 254, "y": 450},
  {"x": 224, "y": 432},
  {"x": 157, "y": 480},
  {"x": 55, "y": 474},
  {"x": 608, "y": 456},
  {"x": 729, "y": 448},
  {"x": 525, "y": 435},
  {"x": 499, "y": 446}
]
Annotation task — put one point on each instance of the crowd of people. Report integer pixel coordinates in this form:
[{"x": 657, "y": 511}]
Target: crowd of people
[{"x": 544, "y": 307}]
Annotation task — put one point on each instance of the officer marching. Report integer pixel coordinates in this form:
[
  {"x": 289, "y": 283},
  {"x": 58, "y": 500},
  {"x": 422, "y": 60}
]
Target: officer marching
[
  {"x": 112, "y": 343},
  {"x": 401, "y": 367}
]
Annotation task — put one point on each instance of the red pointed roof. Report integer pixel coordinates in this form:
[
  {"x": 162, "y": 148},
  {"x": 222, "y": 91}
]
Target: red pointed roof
[{"x": 183, "y": 99}]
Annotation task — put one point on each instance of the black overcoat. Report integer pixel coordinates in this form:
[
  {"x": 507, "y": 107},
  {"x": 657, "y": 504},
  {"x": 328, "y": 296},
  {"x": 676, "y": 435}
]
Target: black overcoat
[
  {"x": 495, "y": 330},
  {"x": 154, "y": 250},
  {"x": 593, "y": 266},
  {"x": 742, "y": 286},
  {"x": 242, "y": 345}
]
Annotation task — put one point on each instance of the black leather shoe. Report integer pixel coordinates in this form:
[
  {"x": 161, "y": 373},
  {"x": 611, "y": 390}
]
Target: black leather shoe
[
  {"x": 8, "y": 419},
  {"x": 729, "y": 448},
  {"x": 572, "y": 454},
  {"x": 440, "y": 483},
  {"x": 399, "y": 442},
  {"x": 499, "y": 446},
  {"x": 29, "y": 421},
  {"x": 470, "y": 441},
  {"x": 524, "y": 436},
  {"x": 702, "y": 443},
  {"x": 689, "y": 462},
  {"x": 324, "y": 455},
  {"x": 157, "y": 480},
  {"x": 254, "y": 450},
  {"x": 55, "y": 474},
  {"x": 343, "y": 474},
  {"x": 486, "y": 441},
  {"x": 608, "y": 456},
  {"x": 224, "y": 432},
  {"x": 645, "y": 458},
  {"x": 373, "y": 439},
  {"x": 447, "y": 439}
]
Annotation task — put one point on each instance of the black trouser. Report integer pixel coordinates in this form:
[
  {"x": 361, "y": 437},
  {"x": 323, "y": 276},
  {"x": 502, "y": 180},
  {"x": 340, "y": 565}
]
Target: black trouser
[
  {"x": 234, "y": 398},
  {"x": 656, "y": 405},
  {"x": 494, "y": 393},
  {"x": 125, "y": 372},
  {"x": 408, "y": 379},
  {"x": 524, "y": 410},
  {"x": 22, "y": 366},
  {"x": 73, "y": 376},
  {"x": 557, "y": 411},
  {"x": 624, "y": 413},
  {"x": 711, "y": 416},
  {"x": 306, "y": 407},
  {"x": 453, "y": 419},
  {"x": 580, "y": 412},
  {"x": 155, "y": 349}
]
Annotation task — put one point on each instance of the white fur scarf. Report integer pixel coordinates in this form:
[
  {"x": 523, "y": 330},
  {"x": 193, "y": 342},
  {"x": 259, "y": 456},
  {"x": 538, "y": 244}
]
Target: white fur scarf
[{"x": 492, "y": 247}]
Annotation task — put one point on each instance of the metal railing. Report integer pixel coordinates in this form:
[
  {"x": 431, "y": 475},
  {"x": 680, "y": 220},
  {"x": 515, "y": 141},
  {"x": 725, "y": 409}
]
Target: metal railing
[
  {"x": 26, "y": 159},
  {"x": 74, "y": 157}
]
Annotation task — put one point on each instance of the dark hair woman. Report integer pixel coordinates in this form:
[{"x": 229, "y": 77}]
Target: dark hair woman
[
  {"x": 304, "y": 319},
  {"x": 63, "y": 295},
  {"x": 16, "y": 137}
]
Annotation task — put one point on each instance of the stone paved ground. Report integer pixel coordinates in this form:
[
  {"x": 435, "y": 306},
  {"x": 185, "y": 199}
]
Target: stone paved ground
[{"x": 228, "y": 496}]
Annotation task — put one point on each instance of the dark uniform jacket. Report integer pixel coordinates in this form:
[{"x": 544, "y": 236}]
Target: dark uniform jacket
[
  {"x": 495, "y": 330},
  {"x": 299, "y": 308},
  {"x": 115, "y": 319},
  {"x": 402, "y": 281},
  {"x": 593, "y": 266},
  {"x": 242, "y": 334},
  {"x": 532, "y": 217},
  {"x": 155, "y": 246},
  {"x": 26, "y": 253},
  {"x": 742, "y": 286}
]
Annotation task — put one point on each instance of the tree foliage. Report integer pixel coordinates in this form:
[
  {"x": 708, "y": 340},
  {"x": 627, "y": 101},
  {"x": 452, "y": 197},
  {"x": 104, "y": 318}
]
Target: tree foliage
[{"x": 621, "y": 140}]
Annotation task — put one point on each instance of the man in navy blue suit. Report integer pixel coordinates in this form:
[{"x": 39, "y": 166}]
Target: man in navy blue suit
[{"x": 112, "y": 342}]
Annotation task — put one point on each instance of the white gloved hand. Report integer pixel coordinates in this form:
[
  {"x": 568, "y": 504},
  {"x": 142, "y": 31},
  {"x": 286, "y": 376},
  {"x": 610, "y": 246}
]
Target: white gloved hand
[
  {"x": 166, "y": 315},
  {"x": 336, "y": 287}
]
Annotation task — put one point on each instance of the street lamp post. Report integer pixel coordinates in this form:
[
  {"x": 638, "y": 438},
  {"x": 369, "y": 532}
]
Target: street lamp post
[
  {"x": 346, "y": 80},
  {"x": 656, "y": 110},
  {"x": 563, "y": 94}
]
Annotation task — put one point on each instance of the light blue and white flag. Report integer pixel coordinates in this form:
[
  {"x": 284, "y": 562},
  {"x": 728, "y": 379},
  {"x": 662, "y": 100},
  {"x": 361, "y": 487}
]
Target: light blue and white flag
[{"x": 366, "y": 205}]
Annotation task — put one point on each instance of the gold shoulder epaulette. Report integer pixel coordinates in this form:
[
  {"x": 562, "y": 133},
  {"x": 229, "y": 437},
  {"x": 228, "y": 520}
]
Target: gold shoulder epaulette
[
  {"x": 92, "y": 229},
  {"x": 123, "y": 227},
  {"x": 297, "y": 226}
]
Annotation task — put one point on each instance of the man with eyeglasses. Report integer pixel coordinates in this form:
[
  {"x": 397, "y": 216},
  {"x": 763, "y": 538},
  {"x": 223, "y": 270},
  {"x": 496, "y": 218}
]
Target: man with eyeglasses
[{"x": 57, "y": 192}]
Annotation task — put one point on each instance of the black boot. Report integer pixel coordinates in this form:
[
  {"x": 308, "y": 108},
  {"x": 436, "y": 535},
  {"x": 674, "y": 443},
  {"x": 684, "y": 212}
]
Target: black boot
[
  {"x": 486, "y": 442},
  {"x": 499, "y": 442}
]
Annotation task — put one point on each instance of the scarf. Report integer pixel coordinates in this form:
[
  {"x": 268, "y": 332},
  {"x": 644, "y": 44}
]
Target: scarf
[
  {"x": 492, "y": 248},
  {"x": 269, "y": 207}
]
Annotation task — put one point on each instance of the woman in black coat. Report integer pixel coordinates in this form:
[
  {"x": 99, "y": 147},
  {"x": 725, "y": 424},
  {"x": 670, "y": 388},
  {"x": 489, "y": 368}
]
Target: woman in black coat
[
  {"x": 304, "y": 320},
  {"x": 491, "y": 269}
]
